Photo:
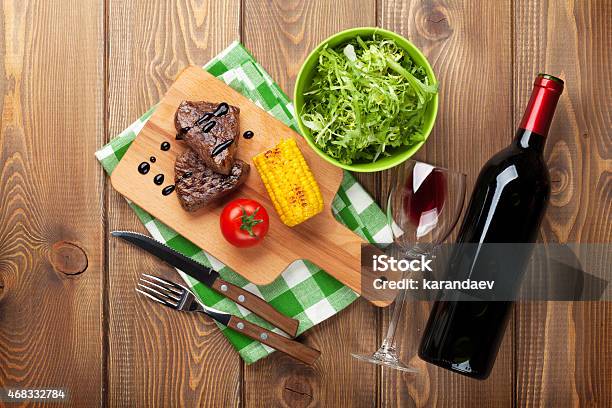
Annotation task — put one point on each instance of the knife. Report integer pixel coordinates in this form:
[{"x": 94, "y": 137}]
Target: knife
[{"x": 211, "y": 278}]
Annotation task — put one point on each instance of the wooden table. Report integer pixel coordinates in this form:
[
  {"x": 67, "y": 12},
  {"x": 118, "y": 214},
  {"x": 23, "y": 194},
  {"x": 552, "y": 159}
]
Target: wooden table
[{"x": 74, "y": 73}]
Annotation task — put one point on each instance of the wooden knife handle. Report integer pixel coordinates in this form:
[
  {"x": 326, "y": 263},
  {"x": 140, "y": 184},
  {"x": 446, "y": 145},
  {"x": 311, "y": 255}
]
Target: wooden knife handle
[
  {"x": 257, "y": 305},
  {"x": 295, "y": 349}
]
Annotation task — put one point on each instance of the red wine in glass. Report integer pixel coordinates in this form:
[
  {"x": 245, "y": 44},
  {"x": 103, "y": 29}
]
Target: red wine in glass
[{"x": 424, "y": 195}]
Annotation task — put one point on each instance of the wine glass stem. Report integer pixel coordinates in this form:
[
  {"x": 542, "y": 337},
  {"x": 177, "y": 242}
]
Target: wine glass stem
[{"x": 389, "y": 341}]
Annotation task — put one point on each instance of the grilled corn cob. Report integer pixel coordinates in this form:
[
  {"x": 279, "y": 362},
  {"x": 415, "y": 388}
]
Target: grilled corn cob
[{"x": 290, "y": 183}]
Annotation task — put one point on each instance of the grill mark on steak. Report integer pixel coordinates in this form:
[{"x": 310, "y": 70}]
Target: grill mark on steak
[
  {"x": 202, "y": 135},
  {"x": 197, "y": 185}
]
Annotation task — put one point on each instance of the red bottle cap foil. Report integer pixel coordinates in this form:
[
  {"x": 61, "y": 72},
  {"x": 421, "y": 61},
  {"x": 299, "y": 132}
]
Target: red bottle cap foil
[{"x": 539, "y": 113}]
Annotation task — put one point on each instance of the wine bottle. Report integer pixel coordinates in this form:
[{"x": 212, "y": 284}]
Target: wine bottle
[{"x": 506, "y": 206}]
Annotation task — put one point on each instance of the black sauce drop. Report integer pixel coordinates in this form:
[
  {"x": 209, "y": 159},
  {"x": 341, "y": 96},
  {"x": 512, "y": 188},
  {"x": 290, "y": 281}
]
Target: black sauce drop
[
  {"x": 144, "y": 167},
  {"x": 185, "y": 175},
  {"x": 221, "y": 110},
  {"x": 203, "y": 119},
  {"x": 158, "y": 179},
  {"x": 165, "y": 146},
  {"x": 152, "y": 159},
  {"x": 221, "y": 147},
  {"x": 248, "y": 134},
  {"x": 208, "y": 127},
  {"x": 168, "y": 189}
]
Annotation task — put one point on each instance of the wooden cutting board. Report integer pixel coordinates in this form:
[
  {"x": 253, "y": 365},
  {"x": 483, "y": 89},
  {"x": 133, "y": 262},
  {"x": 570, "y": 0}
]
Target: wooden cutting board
[{"x": 321, "y": 239}]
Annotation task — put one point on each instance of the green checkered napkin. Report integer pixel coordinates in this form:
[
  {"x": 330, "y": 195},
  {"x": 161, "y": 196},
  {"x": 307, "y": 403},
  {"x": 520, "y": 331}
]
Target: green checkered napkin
[{"x": 302, "y": 291}]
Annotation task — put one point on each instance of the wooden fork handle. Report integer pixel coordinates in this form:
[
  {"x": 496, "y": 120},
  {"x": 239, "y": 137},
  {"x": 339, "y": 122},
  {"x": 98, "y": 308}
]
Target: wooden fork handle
[
  {"x": 257, "y": 305},
  {"x": 297, "y": 350}
]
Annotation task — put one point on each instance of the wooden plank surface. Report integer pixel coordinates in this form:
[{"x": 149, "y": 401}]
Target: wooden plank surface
[
  {"x": 51, "y": 235},
  {"x": 158, "y": 357},
  {"x": 564, "y": 349},
  {"x": 280, "y": 34},
  {"x": 73, "y": 74}
]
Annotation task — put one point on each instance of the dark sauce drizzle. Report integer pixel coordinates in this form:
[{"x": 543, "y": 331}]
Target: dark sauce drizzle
[
  {"x": 165, "y": 146},
  {"x": 152, "y": 159},
  {"x": 158, "y": 179},
  {"x": 185, "y": 175},
  {"x": 168, "y": 189},
  {"x": 248, "y": 134},
  {"x": 203, "y": 119},
  {"x": 221, "y": 110},
  {"x": 144, "y": 167},
  {"x": 208, "y": 127},
  {"x": 221, "y": 147}
]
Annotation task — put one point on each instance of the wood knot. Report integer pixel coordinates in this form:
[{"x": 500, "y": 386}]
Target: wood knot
[
  {"x": 68, "y": 258},
  {"x": 297, "y": 392},
  {"x": 1, "y": 286},
  {"x": 432, "y": 22},
  {"x": 559, "y": 180},
  {"x": 560, "y": 164}
]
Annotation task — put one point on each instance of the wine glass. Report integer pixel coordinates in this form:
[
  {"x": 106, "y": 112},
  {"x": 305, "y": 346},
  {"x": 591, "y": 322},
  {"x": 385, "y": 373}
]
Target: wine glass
[{"x": 423, "y": 207}]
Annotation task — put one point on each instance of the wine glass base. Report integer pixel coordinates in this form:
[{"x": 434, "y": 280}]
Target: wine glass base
[{"x": 385, "y": 359}]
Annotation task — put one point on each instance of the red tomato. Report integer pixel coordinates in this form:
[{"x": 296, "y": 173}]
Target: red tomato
[{"x": 244, "y": 222}]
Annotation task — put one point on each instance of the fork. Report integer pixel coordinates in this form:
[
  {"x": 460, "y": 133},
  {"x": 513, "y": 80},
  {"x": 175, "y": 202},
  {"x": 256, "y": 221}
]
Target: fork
[{"x": 178, "y": 297}]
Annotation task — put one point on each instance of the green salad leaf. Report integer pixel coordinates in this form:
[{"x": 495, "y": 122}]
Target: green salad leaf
[{"x": 367, "y": 97}]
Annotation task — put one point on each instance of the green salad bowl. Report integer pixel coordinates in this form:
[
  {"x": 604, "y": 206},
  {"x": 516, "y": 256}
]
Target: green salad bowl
[{"x": 304, "y": 81}]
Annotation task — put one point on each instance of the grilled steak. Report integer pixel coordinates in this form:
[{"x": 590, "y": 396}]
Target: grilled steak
[
  {"x": 212, "y": 130},
  {"x": 197, "y": 185}
]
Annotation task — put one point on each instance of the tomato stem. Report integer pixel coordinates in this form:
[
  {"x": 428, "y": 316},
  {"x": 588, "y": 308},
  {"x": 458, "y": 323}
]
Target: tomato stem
[{"x": 249, "y": 221}]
